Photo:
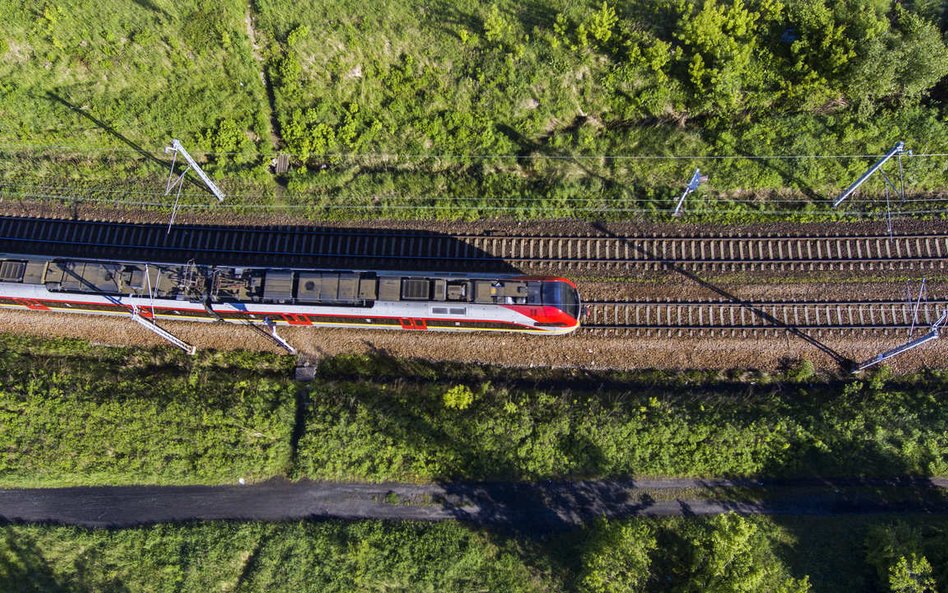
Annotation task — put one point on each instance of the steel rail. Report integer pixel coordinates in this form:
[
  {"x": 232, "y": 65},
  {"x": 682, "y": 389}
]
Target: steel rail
[
  {"x": 293, "y": 245},
  {"x": 721, "y": 315}
]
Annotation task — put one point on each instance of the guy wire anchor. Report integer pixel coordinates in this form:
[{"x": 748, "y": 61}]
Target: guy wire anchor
[
  {"x": 693, "y": 183},
  {"x": 176, "y": 148},
  {"x": 922, "y": 294}
]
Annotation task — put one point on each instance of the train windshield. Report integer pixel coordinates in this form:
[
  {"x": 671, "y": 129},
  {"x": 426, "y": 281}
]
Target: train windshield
[{"x": 562, "y": 296}]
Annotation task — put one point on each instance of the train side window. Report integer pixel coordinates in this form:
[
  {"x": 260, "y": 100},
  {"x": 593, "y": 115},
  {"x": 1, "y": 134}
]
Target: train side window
[
  {"x": 461, "y": 311},
  {"x": 534, "y": 293},
  {"x": 439, "y": 310}
]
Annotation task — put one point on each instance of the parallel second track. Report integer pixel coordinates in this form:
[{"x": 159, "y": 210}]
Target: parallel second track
[
  {"x": 342, "y": 247},
  {"x": 712, "y": 316}
]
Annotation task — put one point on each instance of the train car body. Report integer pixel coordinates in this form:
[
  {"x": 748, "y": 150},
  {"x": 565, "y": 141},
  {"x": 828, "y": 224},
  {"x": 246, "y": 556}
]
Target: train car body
[{"x": 334, "y": 298}]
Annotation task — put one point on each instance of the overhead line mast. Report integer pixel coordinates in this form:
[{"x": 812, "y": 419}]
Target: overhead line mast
[
  {"x": 896, "y": 150},
  {"x": 176, "y": 148}
]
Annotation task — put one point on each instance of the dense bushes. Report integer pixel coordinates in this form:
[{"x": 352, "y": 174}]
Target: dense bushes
[
  {"x": 676, "y": 555},
  {"x": 899, "y": 552},
  {"x": 71, "y": 414},
  {"x": 474, "y": 110},
  {"x": 302, "y": 557},
  {"x": 369, "y": 420},
  {"x": 372, "y": 556}
]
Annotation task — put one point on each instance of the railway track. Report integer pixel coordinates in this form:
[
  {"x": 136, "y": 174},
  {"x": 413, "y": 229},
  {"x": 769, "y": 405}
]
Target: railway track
[
  {"x": 390, "y": 249},
  {"x": 728, "y": 316}
]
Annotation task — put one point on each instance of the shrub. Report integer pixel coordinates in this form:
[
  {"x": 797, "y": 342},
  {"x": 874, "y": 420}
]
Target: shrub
[
  {"x": 617, "y": 558},
  {"x": 459, "y": 397}
]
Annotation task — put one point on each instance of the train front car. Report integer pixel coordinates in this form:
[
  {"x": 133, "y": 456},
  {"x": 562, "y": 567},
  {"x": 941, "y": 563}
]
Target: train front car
[
  {"x": 553, "y": 305},
  {"x": 458, "y": 302}
]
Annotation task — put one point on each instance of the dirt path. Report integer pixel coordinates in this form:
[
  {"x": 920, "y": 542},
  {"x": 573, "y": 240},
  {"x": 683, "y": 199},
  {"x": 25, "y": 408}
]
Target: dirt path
[
  {"x": 275, "y": 139},
  {"x": 544, "y": 506}
]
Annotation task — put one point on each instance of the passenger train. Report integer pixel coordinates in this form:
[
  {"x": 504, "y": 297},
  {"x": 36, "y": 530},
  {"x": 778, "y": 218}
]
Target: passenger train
[{"x": 300, "y": 297}]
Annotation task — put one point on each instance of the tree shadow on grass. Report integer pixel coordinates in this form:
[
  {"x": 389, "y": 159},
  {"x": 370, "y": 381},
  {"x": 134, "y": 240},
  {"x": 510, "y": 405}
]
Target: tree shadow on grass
[
  {"x": 527, "y": 147},
  {"x": 104, "y": 126},
  {"x": 837, "y": 475},
  {"x": 450, "y": 18},
  {"x": 25, "y": 569},
  {"x": 152, "y": 7},
  {"x": 380, "y": 365},
  {"x": 535, "y": 14},
  {"x": 784, "y": 168},
  {"x": 834, "y": 490},
  {"x": 530, "y": 13}
]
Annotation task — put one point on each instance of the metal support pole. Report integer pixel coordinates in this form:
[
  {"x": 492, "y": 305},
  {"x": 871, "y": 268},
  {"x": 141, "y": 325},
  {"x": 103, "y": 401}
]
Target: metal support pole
[
  {"x": 918, "y": 303},
  {"x": 888, "y": 213},
  {"x": 897, "y": 149},
  {"x": 177, "y": 200},
  {"x": 276, "y": 337},
  {"x": 931, "y": 335},
  {"x": 153, "y": 327},
  {"x": 177, "y": 147},
  {"x": 174, "y": 159}
]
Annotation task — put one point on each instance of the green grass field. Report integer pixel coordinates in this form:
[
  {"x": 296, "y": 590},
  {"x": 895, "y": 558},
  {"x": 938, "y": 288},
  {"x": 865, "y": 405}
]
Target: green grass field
[
  {"x": 92, "y": 92},
  {"x": 465, "y": 109}
]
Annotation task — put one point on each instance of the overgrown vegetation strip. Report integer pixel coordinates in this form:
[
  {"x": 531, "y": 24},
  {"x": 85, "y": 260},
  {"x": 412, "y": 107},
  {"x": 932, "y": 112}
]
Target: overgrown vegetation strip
[
  {"x": 675, "y": 555},
  {"x": 73, "y": 413},
  {"x": 76, "y": 414}
]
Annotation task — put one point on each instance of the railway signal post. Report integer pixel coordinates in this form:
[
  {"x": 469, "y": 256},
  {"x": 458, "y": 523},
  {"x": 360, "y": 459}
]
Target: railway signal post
[{"x": 693, "y": 184}]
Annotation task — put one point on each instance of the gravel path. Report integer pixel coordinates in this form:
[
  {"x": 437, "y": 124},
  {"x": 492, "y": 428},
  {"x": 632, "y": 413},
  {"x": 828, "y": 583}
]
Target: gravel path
[
  {"x": 543, "y": 506},
  {"x": 767, "y": 352}
]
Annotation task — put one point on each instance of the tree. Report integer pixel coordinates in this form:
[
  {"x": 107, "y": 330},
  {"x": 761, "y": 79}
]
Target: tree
[
  {"x": 820, "y": 52},
  {"x": 617, "y": 558},
  {"x": 731, "y": 555},
  {"x": 602, "y": 22},
  {"x": 912, "y": 574},
  {"x": 496, "y": 27},
  {"x": 720, "y": 43},
  {"x": 895, "y": 551},
  {"x": 459, "y": 397}
]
